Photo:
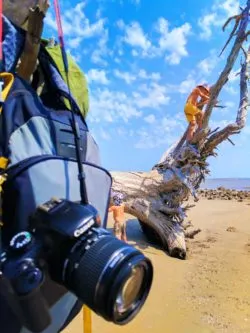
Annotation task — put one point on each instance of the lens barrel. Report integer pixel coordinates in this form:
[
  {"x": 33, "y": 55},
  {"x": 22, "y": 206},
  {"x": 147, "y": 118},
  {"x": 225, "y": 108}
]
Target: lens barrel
[{"x": 112, "y": 278}]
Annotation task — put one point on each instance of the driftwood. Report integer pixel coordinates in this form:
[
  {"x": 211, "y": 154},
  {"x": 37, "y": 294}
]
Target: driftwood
[{"x": 157, "y": 197}]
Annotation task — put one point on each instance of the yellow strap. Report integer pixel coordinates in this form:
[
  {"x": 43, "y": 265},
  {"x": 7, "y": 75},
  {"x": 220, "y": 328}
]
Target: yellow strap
[
  {"x": 87, "y": 322},
  {"x": 3, "y": 163},
  {"x": 8, "y": 79}
]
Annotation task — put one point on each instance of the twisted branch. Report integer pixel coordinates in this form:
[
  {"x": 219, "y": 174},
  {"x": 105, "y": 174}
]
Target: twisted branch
[{"x": 223, "y": 78}]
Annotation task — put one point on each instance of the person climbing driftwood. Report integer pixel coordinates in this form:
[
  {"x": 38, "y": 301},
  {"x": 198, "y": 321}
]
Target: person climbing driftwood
[{"x": 193, "y": 108}]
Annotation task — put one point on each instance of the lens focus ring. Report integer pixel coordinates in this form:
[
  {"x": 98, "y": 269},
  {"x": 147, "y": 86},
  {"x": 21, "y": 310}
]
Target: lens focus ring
[{"x": 85, "y": 278}]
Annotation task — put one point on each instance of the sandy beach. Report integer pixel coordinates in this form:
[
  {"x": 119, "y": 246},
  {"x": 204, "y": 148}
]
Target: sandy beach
[{"x": 210, "y": 291}]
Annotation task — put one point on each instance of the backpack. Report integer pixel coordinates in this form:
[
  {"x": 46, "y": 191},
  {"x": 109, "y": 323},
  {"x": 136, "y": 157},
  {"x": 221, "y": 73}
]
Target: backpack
[{"x": 37, "y": 141}]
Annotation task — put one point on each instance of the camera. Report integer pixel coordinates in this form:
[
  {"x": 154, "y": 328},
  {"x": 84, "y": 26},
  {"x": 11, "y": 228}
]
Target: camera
[{"x": 65, "y": 243}]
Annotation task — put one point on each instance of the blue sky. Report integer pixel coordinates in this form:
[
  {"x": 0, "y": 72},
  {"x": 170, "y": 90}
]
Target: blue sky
[{"x": 142, "y": 58}]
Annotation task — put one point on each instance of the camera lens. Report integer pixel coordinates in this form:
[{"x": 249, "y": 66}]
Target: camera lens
[
  {"x": 130, "y": 290},
  {"x": 111, "y": 277}
]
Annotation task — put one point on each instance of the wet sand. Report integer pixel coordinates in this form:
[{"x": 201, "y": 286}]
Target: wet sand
[{"x": 210, "y": 291}]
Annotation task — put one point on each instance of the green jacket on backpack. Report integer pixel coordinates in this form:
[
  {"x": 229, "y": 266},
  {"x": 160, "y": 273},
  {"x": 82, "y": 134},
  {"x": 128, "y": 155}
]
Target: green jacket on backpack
[{"x": 77, "y": 79}]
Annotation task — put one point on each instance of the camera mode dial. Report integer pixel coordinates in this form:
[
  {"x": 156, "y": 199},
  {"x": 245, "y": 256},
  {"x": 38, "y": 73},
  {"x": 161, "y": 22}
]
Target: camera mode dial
[{"x": 21, "y": 241}]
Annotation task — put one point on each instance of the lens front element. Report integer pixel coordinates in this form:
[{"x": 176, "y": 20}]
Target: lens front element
[{"x": 130, "y": 293}]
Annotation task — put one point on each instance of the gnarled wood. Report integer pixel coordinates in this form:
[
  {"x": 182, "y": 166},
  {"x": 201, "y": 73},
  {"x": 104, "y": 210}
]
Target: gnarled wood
[{"x": 156, "y": 197}]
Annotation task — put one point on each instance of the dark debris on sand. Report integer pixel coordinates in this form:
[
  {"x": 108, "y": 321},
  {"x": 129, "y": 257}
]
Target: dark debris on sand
[{"x": 225, "y": 194}]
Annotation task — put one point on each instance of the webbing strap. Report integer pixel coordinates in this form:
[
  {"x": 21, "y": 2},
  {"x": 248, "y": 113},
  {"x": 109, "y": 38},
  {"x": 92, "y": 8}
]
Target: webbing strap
[
  {"x": 87, "y": 323},
  {"x": 87, "y": 320}
]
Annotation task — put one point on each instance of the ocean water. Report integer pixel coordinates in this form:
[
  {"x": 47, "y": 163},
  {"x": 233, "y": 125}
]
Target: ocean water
[{"x": 242, "y": 184}]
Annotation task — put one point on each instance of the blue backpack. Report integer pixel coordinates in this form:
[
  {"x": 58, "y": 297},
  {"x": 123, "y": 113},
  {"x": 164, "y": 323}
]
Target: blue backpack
[{"x": 36, "y": 138}]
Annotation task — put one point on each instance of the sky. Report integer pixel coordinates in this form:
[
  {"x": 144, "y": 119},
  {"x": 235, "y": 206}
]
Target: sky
[{"x": 142, "y": 58}]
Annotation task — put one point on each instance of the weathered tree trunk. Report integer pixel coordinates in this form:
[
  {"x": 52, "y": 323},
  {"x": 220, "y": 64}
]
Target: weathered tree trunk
[{"x": 156, "y": 197}]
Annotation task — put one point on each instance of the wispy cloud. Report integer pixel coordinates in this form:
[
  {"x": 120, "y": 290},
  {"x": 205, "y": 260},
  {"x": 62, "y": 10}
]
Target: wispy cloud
[
  {"x": 152, "y": 95},
  {"x": 75, "y": 23},
  {"x": 126, "y": 76},
  {"x": 111, "y": 106},
  {"x": 150, "y": 119},
  {"x": 173, "y": 42},
  {"x": 97, "y": 75},
  {"x": 162, "y": 131},
  {"x": 187, "y": 85},
  {"x": 101, "y": 50},
  {"x": 134, "y": 35},
  {"x": 220, "y": 11},
  {"x": 207, "y": 65},
  {"x": 149, "y": 76},
  {"x": 78, "y": 27},
  {"x": 170, "y": 43}
]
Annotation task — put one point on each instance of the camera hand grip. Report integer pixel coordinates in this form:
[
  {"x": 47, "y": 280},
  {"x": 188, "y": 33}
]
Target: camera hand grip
[{"x": 35, "y": 311}]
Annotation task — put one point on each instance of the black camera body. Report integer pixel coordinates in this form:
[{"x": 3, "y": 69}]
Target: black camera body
[
  {"x": 65, "y": 243},
  {"x": 56, "y": 227}
]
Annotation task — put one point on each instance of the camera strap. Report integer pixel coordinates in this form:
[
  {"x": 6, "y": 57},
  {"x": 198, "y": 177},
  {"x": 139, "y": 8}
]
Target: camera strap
[
  {"x": 75, "y": 126},
  {"x": 87, "y": 322}
]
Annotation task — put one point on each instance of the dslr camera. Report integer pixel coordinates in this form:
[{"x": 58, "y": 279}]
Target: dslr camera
[{"x": 65, "y": 243}]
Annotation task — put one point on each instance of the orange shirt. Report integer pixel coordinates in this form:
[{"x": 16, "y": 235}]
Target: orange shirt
[{"x": 118, "y": 212}]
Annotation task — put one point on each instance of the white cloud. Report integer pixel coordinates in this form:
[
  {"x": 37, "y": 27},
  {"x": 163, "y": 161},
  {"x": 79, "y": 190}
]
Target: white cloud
[
  {"x": 76, "y": 24},
  {"x": 111, "y": 106},
  {"x": 126, "y": 76},
  {"x": 116, "y": 106},
  {"x": 134, "y": 35},
  {"x": 97, "y": 75},
  {"x": 101, "y": 50},
  {"x": 78, "y": 27},
  {"x": 173, "y": 41},
  {"x": 74, "y": 42},
  {"x": 207, "y": 65},
  {"x": 163, "y": 131},
  {"x": 187, "y": 85},
  {"x": 221, "y": 10},
  {"x": 205, "y": 23},
  {"x": 150, "y": 119},
  {"x": 170, "y": 43},
  {"x": 153, "y": 76},
  {"x": 151, "y": 96}
]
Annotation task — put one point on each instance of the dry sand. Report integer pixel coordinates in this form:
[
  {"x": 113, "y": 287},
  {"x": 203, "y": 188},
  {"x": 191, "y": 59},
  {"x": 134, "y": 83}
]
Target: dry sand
[{"x": 210, "y": 291}]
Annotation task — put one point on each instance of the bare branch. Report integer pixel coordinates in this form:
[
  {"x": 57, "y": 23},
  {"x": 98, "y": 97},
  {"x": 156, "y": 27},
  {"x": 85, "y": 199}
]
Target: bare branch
[
  {"x": 240, "y": 122},
  {"x": 223, "y": 78},
  {"x": 237, "y": 19}
]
